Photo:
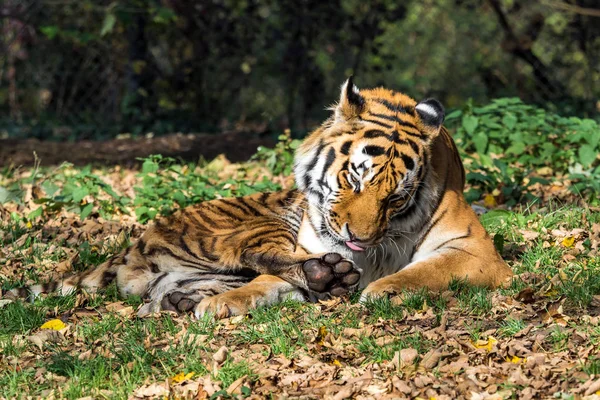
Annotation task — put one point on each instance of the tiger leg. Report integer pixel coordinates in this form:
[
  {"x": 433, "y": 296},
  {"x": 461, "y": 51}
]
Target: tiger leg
[
  {"x": 265, "y": 290},
  {"x": 182, "y": 291},
  {"x": 436, "y": 272},
  {"x": 323, "y": 275}
]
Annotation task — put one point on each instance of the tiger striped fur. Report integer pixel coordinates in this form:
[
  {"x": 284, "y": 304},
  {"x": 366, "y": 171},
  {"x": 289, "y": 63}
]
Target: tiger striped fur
[{"x": 379, "y": 205}]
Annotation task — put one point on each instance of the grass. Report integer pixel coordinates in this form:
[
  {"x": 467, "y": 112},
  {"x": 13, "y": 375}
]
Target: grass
[{"x": 108, "y": 354}]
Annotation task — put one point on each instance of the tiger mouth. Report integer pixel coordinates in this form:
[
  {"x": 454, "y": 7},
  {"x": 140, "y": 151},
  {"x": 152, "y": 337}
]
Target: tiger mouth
[{"x": 354, "y": 246}]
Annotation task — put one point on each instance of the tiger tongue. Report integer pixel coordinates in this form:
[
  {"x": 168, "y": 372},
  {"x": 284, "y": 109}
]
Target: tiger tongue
[{"x": 353, "y": 246}]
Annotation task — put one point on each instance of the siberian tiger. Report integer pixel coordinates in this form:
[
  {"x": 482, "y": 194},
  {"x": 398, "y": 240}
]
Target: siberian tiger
[{"x": 379, "y": 206}]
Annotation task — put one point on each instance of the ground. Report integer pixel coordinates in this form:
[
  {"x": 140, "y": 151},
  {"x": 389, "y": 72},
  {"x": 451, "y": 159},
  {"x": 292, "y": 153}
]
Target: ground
[{"x": 537, "y": 337}]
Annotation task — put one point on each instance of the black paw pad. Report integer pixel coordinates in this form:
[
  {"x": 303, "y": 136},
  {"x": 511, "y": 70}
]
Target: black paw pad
[
  {"x": 331, "y": 274},
  {"x": 178, "y": 302}
]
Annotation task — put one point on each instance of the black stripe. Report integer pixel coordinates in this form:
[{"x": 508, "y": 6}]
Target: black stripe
[
  {"x": 141, "y": 245},
  {"x": 205, "y": 218},
  {"x": 314, "y": 160},
  {"x": 377, "y": 123},
  {"x": 463, "y": 250},
  {"x": 417, "y": 135},
  {"x": 394, "y": 136},
  {"x": 375, "y": 133},
  {"x": 468, "y": 234},
  {"x": 431, "y": 226},
  {"x": 414, "y": 146},
  {"x": 328, "y": 162},
  {"x": 373, "y": 151},
  {"x": 206, "y": 253},
  {"x": 184, "y": 245},
  {"x": 235, "y": 203},
  {"x": 395, "y": 107},
  {"x": 107, "y": 278},
  {"x": 395, "y": 119},
  {"x": 264, "y": 197},
  {"x": 227, "y": 212},
  {"x": 345, "y": 149},
  {"x": 408, "y": 162},
  {"x": 155, "y": 282},
  {"x": 385, "y": 116},
  {"x": 154, "y": 267},
  {"x": 253, "y": 210}
]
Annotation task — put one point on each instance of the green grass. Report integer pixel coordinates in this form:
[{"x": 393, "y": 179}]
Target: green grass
[
  {"x": 510, "y": 326},
  {"x": 127, "y": 352}
]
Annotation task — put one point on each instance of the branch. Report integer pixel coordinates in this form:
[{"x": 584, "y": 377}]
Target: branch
[
  {"x": 541, "y": 73},
  {"x": 590, "y": 12}
]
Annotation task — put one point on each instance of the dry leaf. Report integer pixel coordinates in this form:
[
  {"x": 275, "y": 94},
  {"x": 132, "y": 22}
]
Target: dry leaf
[
  {"x": 488, "y": 344},
  {"x": 46, "y": 335},
  {"x": 180, "y": 377},
  {"x": 569, "y": 241},
  {"x": 221, "y": 355},
  {"x": 54, "y": 324}
]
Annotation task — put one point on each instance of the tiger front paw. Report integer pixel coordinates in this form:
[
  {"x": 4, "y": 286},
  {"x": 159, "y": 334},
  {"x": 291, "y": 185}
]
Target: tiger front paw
[
  {"x": 226, "y": 305},
  {"x": 331, "y": 274},
  {"x": 383, "y": 287}
]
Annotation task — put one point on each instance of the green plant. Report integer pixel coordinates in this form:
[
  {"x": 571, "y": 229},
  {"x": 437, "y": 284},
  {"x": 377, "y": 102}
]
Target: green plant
[
  {"x": 167, "y": 186},
  {"x": 79, "y": 190},
  {"x": 279, "y": 159},
  {"x": 508, "y": 146}
]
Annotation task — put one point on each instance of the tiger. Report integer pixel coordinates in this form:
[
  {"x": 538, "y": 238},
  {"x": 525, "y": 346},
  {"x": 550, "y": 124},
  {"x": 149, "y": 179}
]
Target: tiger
[{"x": 378, "y": 206}]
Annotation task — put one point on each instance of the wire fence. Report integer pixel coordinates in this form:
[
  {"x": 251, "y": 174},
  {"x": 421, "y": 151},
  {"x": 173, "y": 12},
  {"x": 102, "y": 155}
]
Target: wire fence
[
  {"x": 73, "y": 69},
  {"x": 55, "y": 77}
]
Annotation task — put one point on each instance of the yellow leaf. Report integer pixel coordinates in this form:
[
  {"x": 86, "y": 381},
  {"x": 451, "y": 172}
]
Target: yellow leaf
[
  {"x": 337, "y": 363},
  {"x": 55, "y": 324},
  {"x": 29, "y": 225},
  {"x": 180, "y": 377},
  {"x": 489, "y": 201},
  {"x": 321, "y": 335},
  {"x": 514, "y": 359},
  {"x": 569, "y": 241},
  {"x": 486, "y": 344}
]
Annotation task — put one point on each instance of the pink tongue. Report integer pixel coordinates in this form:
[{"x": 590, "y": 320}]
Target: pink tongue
[{"x": 354, "y": 247}]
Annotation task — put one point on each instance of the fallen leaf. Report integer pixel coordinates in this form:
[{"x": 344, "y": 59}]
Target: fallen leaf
[
  {"x": 55, "y": 324},
  {"x": 236, "y": 386},
  {"x": 489, "y": 201},
  {"x": 47, "y": 335},
  {"x": 180, "y": 377},
  {"x": 408, "y": 356},
  {"x": 221, "y": 355},
  {"x": 153, "y": 390},
  {"x": 515, "y": 360},
  {"x": 488, "y": 344},
  {"x": 568, "y": 241}
]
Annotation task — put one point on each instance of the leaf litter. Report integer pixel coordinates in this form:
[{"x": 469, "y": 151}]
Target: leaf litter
[{"x": 529, "y": 340}]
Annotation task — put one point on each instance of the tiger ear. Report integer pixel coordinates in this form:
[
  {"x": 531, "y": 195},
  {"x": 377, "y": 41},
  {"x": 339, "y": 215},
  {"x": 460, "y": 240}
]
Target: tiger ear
[
  {"x": 431, "y": 113},
  {"x": 351, "y": 102}
]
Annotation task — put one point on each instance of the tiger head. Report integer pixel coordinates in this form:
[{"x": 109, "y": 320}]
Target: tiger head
[{"x": 362, "y": 168}]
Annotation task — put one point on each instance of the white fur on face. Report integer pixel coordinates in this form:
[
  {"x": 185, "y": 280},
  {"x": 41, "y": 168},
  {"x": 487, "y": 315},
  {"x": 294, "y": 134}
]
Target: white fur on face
[{"x": 363, "y": 163}]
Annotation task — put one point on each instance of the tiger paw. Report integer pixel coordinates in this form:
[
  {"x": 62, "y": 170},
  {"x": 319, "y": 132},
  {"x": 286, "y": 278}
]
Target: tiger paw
[
  {"x": 228, "y": 304},
  {"x": 331, "y": 274},
  {"x": 180, "y": 302},
  {"x": 378, "y": 289}
]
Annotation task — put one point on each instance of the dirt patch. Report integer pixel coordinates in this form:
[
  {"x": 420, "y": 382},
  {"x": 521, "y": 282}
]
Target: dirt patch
[{"x": 236, "y": 146}]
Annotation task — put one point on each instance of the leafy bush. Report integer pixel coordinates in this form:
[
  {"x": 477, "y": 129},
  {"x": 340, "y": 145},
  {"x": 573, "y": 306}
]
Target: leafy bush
[
  {"x": 280, "y": 159},
  {"x": 509, "y": 145},
  {"x": 167, "y": 185},
  {"x": 79, "y": 191}
]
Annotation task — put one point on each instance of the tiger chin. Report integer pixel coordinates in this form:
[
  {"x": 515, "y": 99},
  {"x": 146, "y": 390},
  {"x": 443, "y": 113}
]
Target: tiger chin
[{"x": 379, "y": 207}]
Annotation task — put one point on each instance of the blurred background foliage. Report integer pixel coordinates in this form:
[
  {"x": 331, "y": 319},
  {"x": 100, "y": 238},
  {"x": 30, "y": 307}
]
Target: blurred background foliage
[{"x": 74, "y": 69}]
